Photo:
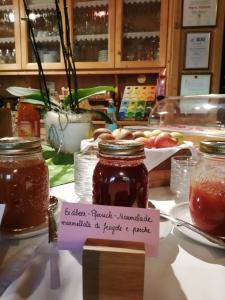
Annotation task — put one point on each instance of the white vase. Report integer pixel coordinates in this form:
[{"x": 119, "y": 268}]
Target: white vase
[{"x": 66, "y": 130}]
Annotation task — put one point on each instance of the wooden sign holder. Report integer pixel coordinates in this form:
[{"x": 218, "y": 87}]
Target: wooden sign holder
[{"x": 113, "y": 270}]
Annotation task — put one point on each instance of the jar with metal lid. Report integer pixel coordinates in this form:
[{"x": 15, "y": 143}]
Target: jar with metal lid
[
  {"x": 120, "y": 177},
  {"x": 24, "y": 187},
  {"x": 207, "y": 191}
]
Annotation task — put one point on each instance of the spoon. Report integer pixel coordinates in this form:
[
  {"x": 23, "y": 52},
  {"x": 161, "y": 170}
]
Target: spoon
[
  {"x": 52, "y": 226},
  {"x": 179, "y": 222}
]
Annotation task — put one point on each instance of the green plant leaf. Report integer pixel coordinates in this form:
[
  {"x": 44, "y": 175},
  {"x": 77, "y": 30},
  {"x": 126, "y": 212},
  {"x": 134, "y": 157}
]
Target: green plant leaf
[
  {"x": 35, "y": 97},
  {"x": 40, "y": 102},
  {"x": 21, "y": 91},
  {"x": 100, "y": 113},
  {"x": 83, "y": 94},
  {"x": 33, "y": 101}
]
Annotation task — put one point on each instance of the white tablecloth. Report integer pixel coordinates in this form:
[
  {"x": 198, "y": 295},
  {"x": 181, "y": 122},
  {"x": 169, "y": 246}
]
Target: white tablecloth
[{"x": 33, "y": 269}]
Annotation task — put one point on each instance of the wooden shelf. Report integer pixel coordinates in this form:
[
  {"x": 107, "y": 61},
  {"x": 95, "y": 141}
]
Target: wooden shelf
[
  {"x": 132, "y": 123},
  {"x": 42, "y": 6},
  {"x": 139, "y": 1},
  {"x": 84, "y": 72},
  {"x": 48, "y": 39},
  {"x": 7, "y": 40},
  {"x": 80, "y": 4},
  {"x": 91, "y": 37},
  {"x": 124, "y": 123},
  {"x": 141, "y": 35},
  {"x": 6, "y": 7}
]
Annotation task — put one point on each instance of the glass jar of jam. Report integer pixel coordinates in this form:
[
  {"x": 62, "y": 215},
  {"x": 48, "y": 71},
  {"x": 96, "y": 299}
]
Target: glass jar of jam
[
  {"x": 207, "y": 191},
  {"x": 120, "y": 177},
  {"x": 24, "y": 185}
]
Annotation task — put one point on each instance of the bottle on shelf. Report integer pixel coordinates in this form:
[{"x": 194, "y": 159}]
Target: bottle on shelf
[
  {"x": 161, "y": 85},
  {"x": 156, "y": 112},
  {"x": 2, "y": 59},
  {"x": 28, "y": 120},
  {"x": 111, "y": 112}
]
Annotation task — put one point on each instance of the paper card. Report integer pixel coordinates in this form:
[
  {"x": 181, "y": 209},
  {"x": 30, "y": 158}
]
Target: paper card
[
  {"x": 81, "y": 221},
  {"x": 2, "y": 208}
]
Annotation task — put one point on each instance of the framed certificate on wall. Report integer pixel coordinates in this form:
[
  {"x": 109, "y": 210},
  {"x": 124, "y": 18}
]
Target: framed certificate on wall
[
  {"x": 195, "y": 84},
  {"x": 197, "y": 50},
  {"x": 199, "y": 13}
]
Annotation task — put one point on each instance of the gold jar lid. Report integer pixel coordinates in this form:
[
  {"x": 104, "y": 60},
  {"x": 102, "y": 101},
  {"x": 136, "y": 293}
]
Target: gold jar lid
[
  {"x": 213, "y": 147},
  {"x": 19, "y": 146},
  {"x": 121, "y": 148}
]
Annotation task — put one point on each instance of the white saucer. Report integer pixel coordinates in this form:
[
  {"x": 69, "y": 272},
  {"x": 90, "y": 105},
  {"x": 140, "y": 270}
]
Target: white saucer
[
  {"x": 165, "y": 227},
  {"x": 181, "y": 211},
  {"x": 43, "y": 228}
]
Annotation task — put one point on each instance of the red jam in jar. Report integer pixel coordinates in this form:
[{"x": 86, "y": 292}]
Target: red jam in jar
[
  {"x": 120, "y": 177},
  {"x": 24, "y": 184},
  {"x": 207, "y": 192}
]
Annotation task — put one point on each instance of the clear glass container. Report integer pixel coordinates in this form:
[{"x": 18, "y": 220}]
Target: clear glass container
[
  {"x": 207, "y": 191},
  {"x": 44, "y": 20},
  {"x": 120, "y": 178},
  {"x": 199, "y": 115},
  {"x": 141, "y": 30},
  {"x": 84, "y": 165},
  {"x": 90, "y": 29},
  {"x": 181, "y": 168},
  {"x": 24, "y": 184}
]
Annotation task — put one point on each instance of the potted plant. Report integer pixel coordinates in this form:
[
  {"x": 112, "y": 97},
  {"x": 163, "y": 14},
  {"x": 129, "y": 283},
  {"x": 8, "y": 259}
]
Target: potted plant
[{"x": 65, "y": 125}]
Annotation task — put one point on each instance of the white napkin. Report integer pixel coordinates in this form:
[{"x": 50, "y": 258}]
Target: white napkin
[
  {"x": 153, "y": 156},
  {"x": 20, "y": 260},
  {"x": 85, "y": 144},
  {"x": 156, "y": 156}
]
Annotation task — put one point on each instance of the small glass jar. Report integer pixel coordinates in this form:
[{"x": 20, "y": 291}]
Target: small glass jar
[
  {"x": 207, "y": 191},
  {"x": 24, "y": 184},
  {"x": 84, "y": 165},
  {"x": 120, "y": 178}
]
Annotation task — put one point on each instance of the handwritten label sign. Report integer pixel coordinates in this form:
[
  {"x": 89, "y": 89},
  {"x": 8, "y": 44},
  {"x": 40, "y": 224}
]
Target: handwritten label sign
[
  {"x": 2, "y": 208},
  {"x": 81, "y": 221}
]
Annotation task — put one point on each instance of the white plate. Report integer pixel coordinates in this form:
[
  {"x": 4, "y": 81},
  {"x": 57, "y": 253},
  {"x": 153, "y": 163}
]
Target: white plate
[
  {"x": 43, "y": 228},
  {"x": 181, "y": 211},
  {"x": 165, "y": 227}
]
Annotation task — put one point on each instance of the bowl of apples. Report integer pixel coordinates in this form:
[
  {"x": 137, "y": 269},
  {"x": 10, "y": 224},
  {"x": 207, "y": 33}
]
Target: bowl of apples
[{"x": 159, "y": 145}]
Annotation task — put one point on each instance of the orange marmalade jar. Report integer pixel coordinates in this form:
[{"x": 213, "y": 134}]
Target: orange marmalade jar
[
  {"x": 23, "y": 184},
  {"x": 28, "y": 120},
  {"x": 120, "y": 177}
]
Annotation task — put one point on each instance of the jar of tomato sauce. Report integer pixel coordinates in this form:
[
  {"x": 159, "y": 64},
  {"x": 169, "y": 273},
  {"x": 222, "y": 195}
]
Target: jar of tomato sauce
[
  {"x": 207, "y": 191},
  {"x": 24, "y": 187},
  {"x": 120, "y": 177}
]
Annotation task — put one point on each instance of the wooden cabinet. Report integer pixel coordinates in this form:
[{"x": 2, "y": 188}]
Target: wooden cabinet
[
  {"x": 141, "y": 33},
  {"x": 105, "y": 34},
  {"x": 93, "y": 33},
  {"x": 10, "y": 53},
  {"x": 44, "y": 20},
  {"x": 119, "y": 34}
]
